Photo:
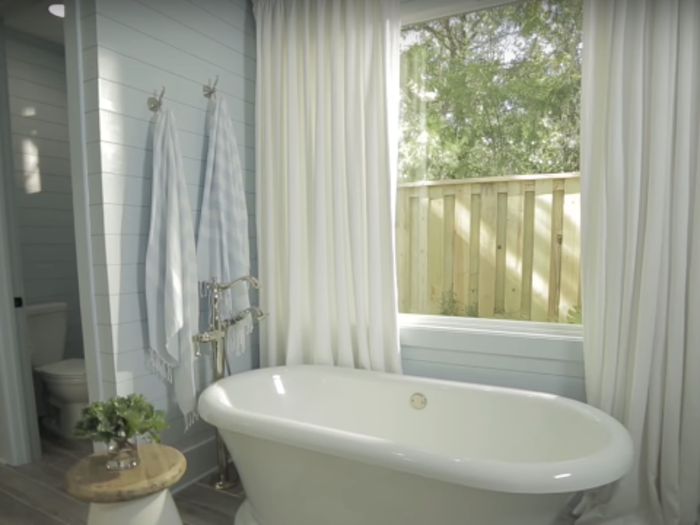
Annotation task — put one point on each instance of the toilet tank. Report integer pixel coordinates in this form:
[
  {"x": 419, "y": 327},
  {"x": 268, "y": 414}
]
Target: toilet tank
[{"x": 46, "y": 332}]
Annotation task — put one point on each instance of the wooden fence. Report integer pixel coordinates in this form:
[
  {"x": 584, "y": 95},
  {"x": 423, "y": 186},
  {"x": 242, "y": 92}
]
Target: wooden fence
[{"x": 506, "y": 247}]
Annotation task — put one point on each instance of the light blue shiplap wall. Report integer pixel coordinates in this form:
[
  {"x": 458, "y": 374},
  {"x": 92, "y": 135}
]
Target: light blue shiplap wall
[
  {"x": 44, "y": 202},
  {"x": 131, "y": 49},
  {"x": 513, "y": 361}
]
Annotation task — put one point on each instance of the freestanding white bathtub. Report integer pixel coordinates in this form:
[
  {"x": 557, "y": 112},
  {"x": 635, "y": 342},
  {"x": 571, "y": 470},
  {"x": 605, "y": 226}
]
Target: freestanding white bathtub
[{"x": 331, "y": 446}]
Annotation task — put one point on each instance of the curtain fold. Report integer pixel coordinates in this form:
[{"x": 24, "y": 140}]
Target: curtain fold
[
  {"x": 327, "y": 131},
  {"x": 641, "y": 250}
]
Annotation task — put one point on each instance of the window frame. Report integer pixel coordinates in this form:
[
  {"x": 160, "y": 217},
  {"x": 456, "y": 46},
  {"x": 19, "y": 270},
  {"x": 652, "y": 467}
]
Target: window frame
[{"x": 443, "y": 331}]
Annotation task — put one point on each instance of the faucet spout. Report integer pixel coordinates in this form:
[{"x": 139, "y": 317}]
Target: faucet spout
[
  {"x": 257, "y": 313},
  {"x": 252, "y": 281}
]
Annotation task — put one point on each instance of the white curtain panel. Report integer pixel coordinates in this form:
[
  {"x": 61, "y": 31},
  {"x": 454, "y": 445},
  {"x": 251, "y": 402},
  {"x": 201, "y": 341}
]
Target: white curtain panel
[
  {"x": 327, "y": 132},
  {"x": 641, "y": 249}
]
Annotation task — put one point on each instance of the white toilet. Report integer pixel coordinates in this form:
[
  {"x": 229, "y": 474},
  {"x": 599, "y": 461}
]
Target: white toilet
[{"x": 65, "y": 379}]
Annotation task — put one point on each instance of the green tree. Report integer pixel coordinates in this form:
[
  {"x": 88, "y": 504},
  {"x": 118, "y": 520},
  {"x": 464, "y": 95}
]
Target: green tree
[{"x": 493, "y": 92}]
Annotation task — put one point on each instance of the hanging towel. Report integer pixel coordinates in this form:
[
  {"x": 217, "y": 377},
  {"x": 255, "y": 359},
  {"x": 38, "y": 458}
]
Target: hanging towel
[
  {"x": 223, "y": 251},
  {"x": 172, "y": 300}
]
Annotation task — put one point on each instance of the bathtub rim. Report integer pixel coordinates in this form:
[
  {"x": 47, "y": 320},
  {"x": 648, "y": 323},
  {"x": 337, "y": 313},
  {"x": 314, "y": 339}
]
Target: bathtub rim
[{"x": 603, "y": 467}]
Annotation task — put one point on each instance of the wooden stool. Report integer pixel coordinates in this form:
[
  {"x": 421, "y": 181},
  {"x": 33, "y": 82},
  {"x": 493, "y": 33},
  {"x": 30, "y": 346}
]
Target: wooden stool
[{"x": 138, "y": 496}]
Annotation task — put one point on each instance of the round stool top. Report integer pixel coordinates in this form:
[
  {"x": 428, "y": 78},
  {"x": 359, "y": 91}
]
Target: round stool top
[{"x": 159, "y": 468}]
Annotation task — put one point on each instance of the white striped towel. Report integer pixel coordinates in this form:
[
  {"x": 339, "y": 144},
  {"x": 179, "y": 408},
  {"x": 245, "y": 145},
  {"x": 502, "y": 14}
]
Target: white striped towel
[
  {"x": 223, "y": 250},
  {"x": 172, "y": 300}
]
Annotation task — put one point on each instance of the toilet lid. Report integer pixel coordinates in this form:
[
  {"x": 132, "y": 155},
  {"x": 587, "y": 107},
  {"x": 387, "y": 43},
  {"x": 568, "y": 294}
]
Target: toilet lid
[{"x": 66, "y": 368}]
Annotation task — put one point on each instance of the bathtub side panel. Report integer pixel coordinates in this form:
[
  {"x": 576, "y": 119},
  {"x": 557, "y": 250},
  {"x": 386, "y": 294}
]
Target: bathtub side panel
[{"x": 291, "y": 486}]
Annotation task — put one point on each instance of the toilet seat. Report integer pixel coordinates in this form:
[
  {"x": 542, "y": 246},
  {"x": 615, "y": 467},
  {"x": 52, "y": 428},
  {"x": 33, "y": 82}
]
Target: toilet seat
[{"x": 65, "y": 370}]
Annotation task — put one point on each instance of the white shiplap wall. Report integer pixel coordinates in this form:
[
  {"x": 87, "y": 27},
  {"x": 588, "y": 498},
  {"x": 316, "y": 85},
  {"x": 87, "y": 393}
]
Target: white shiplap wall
[
  {"x": 44, "y": 201},
  {"x": 131, "y": 49}
]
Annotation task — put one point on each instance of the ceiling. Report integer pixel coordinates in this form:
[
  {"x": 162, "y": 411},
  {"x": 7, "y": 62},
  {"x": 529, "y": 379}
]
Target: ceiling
[{"x": 33, "y": 17}]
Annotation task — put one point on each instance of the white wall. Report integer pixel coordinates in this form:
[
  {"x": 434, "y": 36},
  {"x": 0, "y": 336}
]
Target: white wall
[
  {"x": 44, "y": 201},
  {"x": 130, "y": 50}
]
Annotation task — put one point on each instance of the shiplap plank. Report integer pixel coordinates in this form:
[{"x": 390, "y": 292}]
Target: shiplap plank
[
  {"x": 184, "y": 88},
  {"x": 137, "y": 133},
  {"x": 125, "y": 337},
  {"x": 44, "y": 201},
  {"x": 51, "y": 270},
  {"x": 565, "y": 368},
  {"x": 120, "y": 249},
  {"x": 29, "y": 90},
  {"x": 41, "y": 163},
  {"x": 160, "y": 55},
  {"x": 121, "y": 309},
  {"x": 27, "y": 126},
  {"x": 55, "y": 287},
  {"x": 128, "y": 101},
  {"x": 235, "y": 14},
  {"x": 30, "y": 72},
  {"x": 42, "y": 181},
  {"x": 162, "y": 28},
  {"x": 20, "y": 50},
  {"x": 571, "y": 387},
  {"x": 31, "y": 145},
  {"x": 124, "y": 219},
  {"x": 32, "y": 253},
  {"x": 125, "y": 278},
  {"x": 37, "y": 110},
  {"x": 207, "y": 23},
  {"x": 47, "y": 235}
]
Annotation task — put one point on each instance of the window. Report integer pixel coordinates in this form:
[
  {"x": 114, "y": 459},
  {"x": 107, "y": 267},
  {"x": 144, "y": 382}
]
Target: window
[{"x": 488, "y": 205}]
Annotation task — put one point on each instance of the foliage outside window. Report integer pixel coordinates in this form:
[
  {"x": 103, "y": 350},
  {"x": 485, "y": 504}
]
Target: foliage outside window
[{"x": 489, "y": 199}]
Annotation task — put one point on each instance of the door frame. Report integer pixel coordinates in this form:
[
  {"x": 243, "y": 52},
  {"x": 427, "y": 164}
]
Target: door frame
[
  {"x": 16, "y": 382},
  {"x": 20, "y": 439}
]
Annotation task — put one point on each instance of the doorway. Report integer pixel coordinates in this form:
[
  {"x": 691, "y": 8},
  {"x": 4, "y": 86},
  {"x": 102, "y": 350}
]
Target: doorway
[{"x": 42, "y": 285}]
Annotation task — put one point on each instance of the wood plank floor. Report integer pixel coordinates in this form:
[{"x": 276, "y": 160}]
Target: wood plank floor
[{"x": 35, "y": 494}]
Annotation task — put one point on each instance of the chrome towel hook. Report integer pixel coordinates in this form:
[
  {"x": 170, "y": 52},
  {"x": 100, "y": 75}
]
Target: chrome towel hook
[
  {"x": 210, "y": 90},
  {"x": 156, "y": 102}
]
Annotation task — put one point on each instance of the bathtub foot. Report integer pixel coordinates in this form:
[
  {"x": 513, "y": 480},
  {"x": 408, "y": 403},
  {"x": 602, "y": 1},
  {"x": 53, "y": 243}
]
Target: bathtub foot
[{"x": 244, "y": 516}]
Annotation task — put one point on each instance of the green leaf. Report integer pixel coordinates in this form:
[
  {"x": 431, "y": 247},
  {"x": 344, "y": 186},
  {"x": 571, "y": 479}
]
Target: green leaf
[{"x": 121, "y": 418}]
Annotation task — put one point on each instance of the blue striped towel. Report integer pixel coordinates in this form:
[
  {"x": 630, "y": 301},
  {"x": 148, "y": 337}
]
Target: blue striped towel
[{"x": 223, "y": 250}]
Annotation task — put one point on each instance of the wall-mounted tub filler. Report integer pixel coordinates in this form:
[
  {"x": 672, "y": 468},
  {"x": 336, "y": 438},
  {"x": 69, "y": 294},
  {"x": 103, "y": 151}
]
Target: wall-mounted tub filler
[{"x": 307, "y": 454}]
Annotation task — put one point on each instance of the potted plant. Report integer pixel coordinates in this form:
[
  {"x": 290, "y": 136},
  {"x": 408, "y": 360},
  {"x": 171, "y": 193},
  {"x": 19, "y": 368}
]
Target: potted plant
[{"x": 118, "y": 422}]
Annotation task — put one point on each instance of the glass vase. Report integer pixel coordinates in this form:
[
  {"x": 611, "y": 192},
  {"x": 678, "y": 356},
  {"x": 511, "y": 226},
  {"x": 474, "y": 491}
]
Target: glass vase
[{"x": 123, "y": 454}]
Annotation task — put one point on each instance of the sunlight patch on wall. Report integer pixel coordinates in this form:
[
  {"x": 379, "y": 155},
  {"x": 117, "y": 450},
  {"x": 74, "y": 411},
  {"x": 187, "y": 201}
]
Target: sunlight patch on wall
[
  {"x": 31, "y": 172},
  {"x": 29, "y": 112}
]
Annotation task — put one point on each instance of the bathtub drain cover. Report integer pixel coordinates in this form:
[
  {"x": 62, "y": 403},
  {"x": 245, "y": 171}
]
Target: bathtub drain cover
[{"x": 419, "y": 401}]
